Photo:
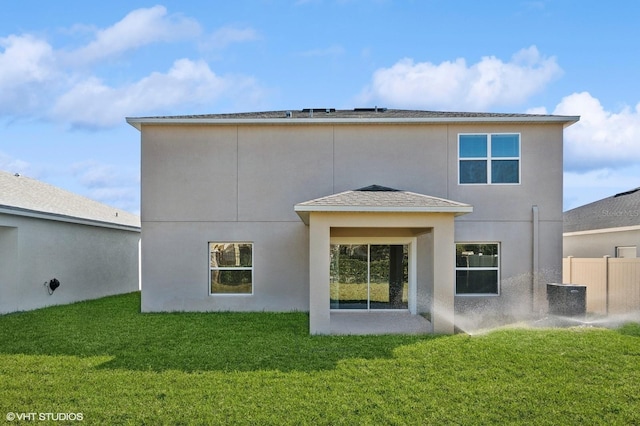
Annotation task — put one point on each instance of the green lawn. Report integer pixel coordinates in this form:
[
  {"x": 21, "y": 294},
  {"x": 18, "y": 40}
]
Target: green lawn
[{"x": 116, "y": 366}]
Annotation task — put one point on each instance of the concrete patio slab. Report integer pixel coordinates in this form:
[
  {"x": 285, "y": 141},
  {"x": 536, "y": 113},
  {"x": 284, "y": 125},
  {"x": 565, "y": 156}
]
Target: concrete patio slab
[{"x": 375, "y": 322}]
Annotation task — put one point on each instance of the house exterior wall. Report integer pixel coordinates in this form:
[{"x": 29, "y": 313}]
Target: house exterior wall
[
  {"x": 504, "y": 213},
  {"x": 89, "y": 261},
  {"x": 600, "y": 243},
  {"x": 230, "y": 182}
]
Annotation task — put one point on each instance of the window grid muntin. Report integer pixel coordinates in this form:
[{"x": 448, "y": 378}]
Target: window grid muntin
[
  {"x": 490, "y": 158},
  {"x": 480, "y": 268},
  {"x": 372, "y": 241},
  {"x": 230, "y": 268}
]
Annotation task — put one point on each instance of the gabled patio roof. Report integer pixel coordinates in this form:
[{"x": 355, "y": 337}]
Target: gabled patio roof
[{"x": 377, "y": 198}]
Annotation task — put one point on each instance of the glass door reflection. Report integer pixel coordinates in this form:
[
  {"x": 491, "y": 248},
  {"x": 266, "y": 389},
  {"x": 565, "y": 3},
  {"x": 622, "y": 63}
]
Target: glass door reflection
[{"x": 369, "y": 276}]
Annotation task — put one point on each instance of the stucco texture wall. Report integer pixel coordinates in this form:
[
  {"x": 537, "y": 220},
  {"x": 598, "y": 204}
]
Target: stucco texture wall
[
  {"x": 599, "y": 244},
  {"x": 204, "y": 183},
  {"x": 89, "y": 261}
]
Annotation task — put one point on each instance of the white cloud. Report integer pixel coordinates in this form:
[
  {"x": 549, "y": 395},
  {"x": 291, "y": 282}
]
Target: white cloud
[
  {"x": 140, "y": 27},
  {"x": 94, "y": 104},
  {"x": 537, "y": 110},
  {"x": 601, "y": 154},
  {"x": 25, "y": 58},
  {"x": 13, "y": 165},
  {"x": 26, "y": 64},
  {"x": 455, "y": 85},
  {"x": 109, "y": 184},
  {"x": 41, "y": 81},
  {"x": 126, "y": 198},
  {"x": 227, "y": 35},
  {"x": 601, "y": 139},
  {"x": 92, "y": 174}
]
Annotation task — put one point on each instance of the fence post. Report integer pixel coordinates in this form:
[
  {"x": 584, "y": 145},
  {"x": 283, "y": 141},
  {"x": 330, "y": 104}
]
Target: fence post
[
  {"x": 606, "y": 283},
  {"x": 570, "y": 269}
]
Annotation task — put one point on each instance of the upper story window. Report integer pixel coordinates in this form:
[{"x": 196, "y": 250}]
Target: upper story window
[{"x": 489, "y": 158}]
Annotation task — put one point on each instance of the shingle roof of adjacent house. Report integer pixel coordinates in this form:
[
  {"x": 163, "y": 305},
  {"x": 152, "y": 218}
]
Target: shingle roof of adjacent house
[
  {"x": 377, "y": 198},
  {"x": 25, "y": 196},
  {"x": 617, "y": 211},
  {"x": 356, "y": 115}
]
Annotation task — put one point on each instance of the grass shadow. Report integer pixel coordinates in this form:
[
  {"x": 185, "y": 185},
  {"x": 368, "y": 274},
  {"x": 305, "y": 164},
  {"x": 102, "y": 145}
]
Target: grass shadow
[{"x": 188, "y": 342}]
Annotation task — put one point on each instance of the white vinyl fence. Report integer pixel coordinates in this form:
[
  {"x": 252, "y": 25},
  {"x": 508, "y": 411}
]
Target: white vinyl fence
[{"x": 613, "y": 284}]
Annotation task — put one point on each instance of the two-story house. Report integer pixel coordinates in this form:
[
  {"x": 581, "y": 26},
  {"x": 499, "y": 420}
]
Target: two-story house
[{"x": 366, "y": 210}]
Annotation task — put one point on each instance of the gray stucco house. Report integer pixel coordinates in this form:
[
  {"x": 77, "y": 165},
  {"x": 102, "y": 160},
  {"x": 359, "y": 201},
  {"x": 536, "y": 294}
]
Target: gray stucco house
[
  {"x": 351, "y": 211},
  {"x": 48, "y": 233},
  {"x": 607, "y": 227}
]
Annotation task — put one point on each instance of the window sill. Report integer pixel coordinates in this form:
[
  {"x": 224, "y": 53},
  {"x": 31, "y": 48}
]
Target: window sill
[{"x": 477, "y": 295}]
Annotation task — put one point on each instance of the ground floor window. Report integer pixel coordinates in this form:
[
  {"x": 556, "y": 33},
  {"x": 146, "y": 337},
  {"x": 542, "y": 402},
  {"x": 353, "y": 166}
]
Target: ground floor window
[
  {"x": 369, "y": 276},
  {"x": 477, "y": 268},
  {"x": 626, "y": 251},
  {"x": 231, "y": 268}
]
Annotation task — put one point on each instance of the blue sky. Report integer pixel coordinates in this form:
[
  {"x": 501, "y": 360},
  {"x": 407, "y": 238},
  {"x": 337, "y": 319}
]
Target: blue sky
[{"x": 71, "y": 71}]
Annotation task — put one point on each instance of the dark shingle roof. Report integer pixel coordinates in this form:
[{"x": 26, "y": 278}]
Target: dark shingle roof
[
  {"x": 351, "y": 115},
  {"x": 24, "y": 195},
  {"x": 622, "y": 209}
]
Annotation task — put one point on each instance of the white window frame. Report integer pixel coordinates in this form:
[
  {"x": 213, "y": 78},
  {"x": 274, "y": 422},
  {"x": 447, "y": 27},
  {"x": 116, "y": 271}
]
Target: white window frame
[
  {"x": 492, "y": 268},
  {"x": 231, "y": 268},
  {"x": 489, "y": 158}
]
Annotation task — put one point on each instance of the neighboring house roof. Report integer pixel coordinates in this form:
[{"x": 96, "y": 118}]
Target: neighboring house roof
[
  {"x": 356, "y": 115},
  {"x": 617, "y": 211},
  {"x": 377, "y": 198},
  {"x": 24, "y": 196}
]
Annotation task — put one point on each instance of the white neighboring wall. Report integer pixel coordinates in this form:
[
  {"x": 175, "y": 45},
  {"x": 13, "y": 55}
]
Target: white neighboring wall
[
  {"x": 600, "y": 242},
  {"x": 90, "y": 261}
]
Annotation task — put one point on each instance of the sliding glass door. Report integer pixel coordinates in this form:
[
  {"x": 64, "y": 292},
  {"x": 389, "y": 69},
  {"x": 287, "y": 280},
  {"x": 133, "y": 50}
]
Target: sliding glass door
[{"x": 369, "y": 276}]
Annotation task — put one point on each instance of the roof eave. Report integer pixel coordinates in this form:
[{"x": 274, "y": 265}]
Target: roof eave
[
  {"x": 304, "y": 211},
  {"x": 138, "y": 122},
  {"x": 34, "y": 214},
  {"x": 601, "y": 230}
]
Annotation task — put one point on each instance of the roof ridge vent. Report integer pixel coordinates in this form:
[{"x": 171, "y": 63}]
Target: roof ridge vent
[
  {"x": 374, "y": 109},
  {"x": 621, "y": 194},
  {"x": 377, "y": 188}
]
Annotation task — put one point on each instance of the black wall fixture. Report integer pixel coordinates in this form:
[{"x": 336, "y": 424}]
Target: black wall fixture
[{"x": 52, "y": 285}]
